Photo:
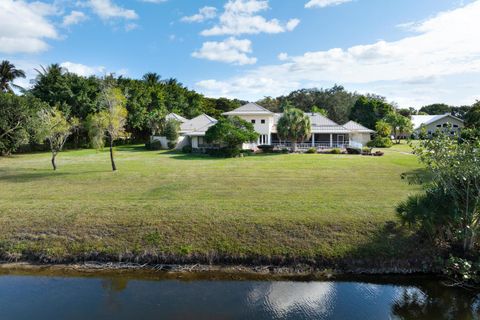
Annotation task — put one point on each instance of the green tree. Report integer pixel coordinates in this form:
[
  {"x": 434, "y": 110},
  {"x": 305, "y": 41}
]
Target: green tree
[
  {"x": 8, "y": 74},
  {"x": 319, "y": 110},
  {"x": 17, "y": 115},
  {"x": 172, "y": 127},
  {"x": 55, "y": 128},
  {"x": 383, "y": 128},
  {"x": 450, "y": 208},
  {"x": 436, "y": 109},
  {"x": 231, "y": 132},
  {"x": 400, "y": 125},
  {"x": 110, "y": 122},
  {"x": 370, "y": 109},
  {"x": 294, "y": 126},
  {"x": 472, "y": 117},
  {"x": 151, "y": 78}
]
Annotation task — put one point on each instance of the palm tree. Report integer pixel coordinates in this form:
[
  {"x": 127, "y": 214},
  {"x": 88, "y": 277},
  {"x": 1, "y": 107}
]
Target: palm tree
[
  {"x": 294, "y": 126},
  {"x": 151, "y": 78},
  {"x": 8, "y": 73}
]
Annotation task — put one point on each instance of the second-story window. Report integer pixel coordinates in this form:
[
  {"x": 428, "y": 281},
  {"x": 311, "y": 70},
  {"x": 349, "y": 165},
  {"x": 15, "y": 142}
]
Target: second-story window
[
  {"x": 262, "y": 121},
  {"x": 253, "y": 121}
]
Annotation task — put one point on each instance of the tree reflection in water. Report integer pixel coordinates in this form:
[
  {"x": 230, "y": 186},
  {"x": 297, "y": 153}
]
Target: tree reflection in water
[{"x": 430, "y": 300}]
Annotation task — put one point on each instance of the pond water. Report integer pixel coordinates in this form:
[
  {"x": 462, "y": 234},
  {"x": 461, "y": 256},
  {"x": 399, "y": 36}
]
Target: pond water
[{"x": 30, "y": 296}]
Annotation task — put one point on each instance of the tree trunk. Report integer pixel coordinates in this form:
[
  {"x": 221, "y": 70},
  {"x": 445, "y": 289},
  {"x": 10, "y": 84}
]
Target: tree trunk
[
  {"x": 54, "y": 165},
  {"x": 114, "y": 167},
  {"x": 294, "y": 146}
]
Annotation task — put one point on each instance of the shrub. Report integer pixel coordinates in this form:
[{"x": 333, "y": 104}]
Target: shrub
[
  {"x": 354, "y": 151},
  {"x": 378, "y": 154},
  {"x": 171, "y": 145},
  {"x": 266, "y": 148},
  {"x": 311, "y": 150},
  {"x": 285, "y": 150},
  {"x": 366, "y": 150},
  {"x": 336, "y": 151},
  {"x": 247, "y": 152},
  {"x": 225, "y": 152},
  {"x": 153, "y": 146},
  {"x": 187, "y": 149},
  {"x": 380, "y": 142}
]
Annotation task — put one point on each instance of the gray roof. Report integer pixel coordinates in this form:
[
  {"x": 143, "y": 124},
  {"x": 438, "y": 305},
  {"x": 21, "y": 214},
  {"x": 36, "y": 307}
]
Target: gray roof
[
  {"x": 249, "y": 108},
  {"x": 420, "y": 120},
  {"x": 177, "y": 117},
  {"x": 198, "y": 125},
  {"x": 320, "y": 123},
  {"x": 357, "y": 127}
]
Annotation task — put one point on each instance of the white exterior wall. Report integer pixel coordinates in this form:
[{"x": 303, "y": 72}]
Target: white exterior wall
[
  {"x": 362, "y": 138},
  {"x": 261, "y": 128},
  {"x": 181, "y": 142},
  {"x": 194, "y": 142}
]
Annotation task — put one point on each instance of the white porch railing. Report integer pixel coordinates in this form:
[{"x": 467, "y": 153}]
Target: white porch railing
[{"x": 317, "y": 145}]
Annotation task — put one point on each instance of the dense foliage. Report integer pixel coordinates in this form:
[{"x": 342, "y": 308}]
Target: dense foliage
[
  {"x": 370, "y": 109},
  {"x": 294, "y": 126},
  {"x": 230, "y": 133},
  {"x": 17, "y": 120},
  {"x": 449, "y": 210}
]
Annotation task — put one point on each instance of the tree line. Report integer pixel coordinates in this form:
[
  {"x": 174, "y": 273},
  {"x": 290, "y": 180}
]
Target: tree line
[{"x": 84, "y": 106}]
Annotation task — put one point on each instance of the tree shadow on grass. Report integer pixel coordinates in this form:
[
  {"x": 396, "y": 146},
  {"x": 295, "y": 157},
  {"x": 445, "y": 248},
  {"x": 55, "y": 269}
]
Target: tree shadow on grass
[
  {"x": 25, "y": 176},
  {"x": 131, "y": 148},
  {"x": 417, "y": 176},
  {"x": 394, "y": 248}
]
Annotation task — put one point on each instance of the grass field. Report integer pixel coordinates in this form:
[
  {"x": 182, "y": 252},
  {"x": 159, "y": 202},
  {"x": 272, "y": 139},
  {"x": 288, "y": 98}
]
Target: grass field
[{"x": 273, "y": 207}]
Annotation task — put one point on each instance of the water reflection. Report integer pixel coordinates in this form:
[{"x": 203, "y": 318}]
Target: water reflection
[{"x": 50, "y": 297}]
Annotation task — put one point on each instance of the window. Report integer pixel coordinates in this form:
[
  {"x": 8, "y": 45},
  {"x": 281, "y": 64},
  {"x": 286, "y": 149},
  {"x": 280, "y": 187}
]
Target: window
[
  {"x": 262, "y": 121},
  {"x": 263, "y": 139},
  {"x": 253, "y": 121},
  {"x": 439, "y": 125}
]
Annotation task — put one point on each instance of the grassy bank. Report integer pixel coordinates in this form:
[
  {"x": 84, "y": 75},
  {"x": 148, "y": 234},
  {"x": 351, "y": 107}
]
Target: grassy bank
[{"x": 161, "y": 207}]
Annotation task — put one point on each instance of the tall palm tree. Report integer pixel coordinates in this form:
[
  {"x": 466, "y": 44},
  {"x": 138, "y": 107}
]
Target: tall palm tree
[
  {"x": 151, "y": 78},
  {"x": 8, "y": 73},
  {"x": 294, "y": 126}
]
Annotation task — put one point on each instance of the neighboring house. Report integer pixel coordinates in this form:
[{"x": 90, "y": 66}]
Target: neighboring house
[
  {"x": 433, "y": 123},
  {"x": 325, "y": 132}
]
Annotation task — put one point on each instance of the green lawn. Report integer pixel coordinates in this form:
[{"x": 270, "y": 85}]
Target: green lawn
[{"x": 161, "y": 204}]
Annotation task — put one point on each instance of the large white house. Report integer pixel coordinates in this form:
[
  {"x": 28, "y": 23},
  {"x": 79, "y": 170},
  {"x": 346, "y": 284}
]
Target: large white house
[{"x": 325, "y": 132}]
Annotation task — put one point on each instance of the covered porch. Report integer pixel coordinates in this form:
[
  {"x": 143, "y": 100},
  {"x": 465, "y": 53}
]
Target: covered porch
[{"x": 317, "y": 140}]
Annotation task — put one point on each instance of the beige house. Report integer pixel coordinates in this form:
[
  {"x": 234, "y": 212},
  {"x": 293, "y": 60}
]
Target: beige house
[
  {"x": 433, "y": 123},
  {"x": 325, "y": 132}
]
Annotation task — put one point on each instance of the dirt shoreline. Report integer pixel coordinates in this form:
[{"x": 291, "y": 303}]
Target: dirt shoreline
[{"x": 204, "y": 271}]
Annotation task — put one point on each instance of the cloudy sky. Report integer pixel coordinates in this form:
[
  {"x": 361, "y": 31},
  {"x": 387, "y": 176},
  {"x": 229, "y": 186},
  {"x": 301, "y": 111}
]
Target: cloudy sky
[{"x": 414, "y": 52}]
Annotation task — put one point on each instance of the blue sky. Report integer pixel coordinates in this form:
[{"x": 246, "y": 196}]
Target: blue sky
[{"x": 414, "y": 52}]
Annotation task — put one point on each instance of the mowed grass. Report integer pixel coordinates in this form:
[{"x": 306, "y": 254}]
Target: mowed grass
[{"x": 164, "y": 204}]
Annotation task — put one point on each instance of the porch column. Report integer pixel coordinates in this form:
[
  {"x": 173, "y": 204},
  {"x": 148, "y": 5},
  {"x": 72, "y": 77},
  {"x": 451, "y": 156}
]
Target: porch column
[
  {"x": 331, "y": 140},
  {"x": 313, "y": 140}
]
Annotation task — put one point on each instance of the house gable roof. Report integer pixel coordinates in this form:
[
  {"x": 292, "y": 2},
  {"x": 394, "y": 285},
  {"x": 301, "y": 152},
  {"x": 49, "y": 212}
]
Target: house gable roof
[
  {"x": 198, "y": 125},
  {"x": 249, "y": 109},
  {"x": 357, "y": 127},
  {"x": 176, "y": 117},
  {"x": 320, "y": 123},
  {"x": 420, "y": 120}
]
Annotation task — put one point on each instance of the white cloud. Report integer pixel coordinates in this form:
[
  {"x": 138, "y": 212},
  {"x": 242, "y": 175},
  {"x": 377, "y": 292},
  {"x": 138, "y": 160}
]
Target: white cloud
[
  {"x": 282, "y": 56},
  {"x": 25, "y": 27},
  {"x": 205, "y": 13},
  {"x": 75, "y": 17},
  {"x": 325, "y": 3},
  {"x": 83, "y": 70},
  {"x": 107, "y": 10},
  {"x": 445, "y": 47},
  {"x": 240, "y": 17},
  {"x": 231, "y": 50}
]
